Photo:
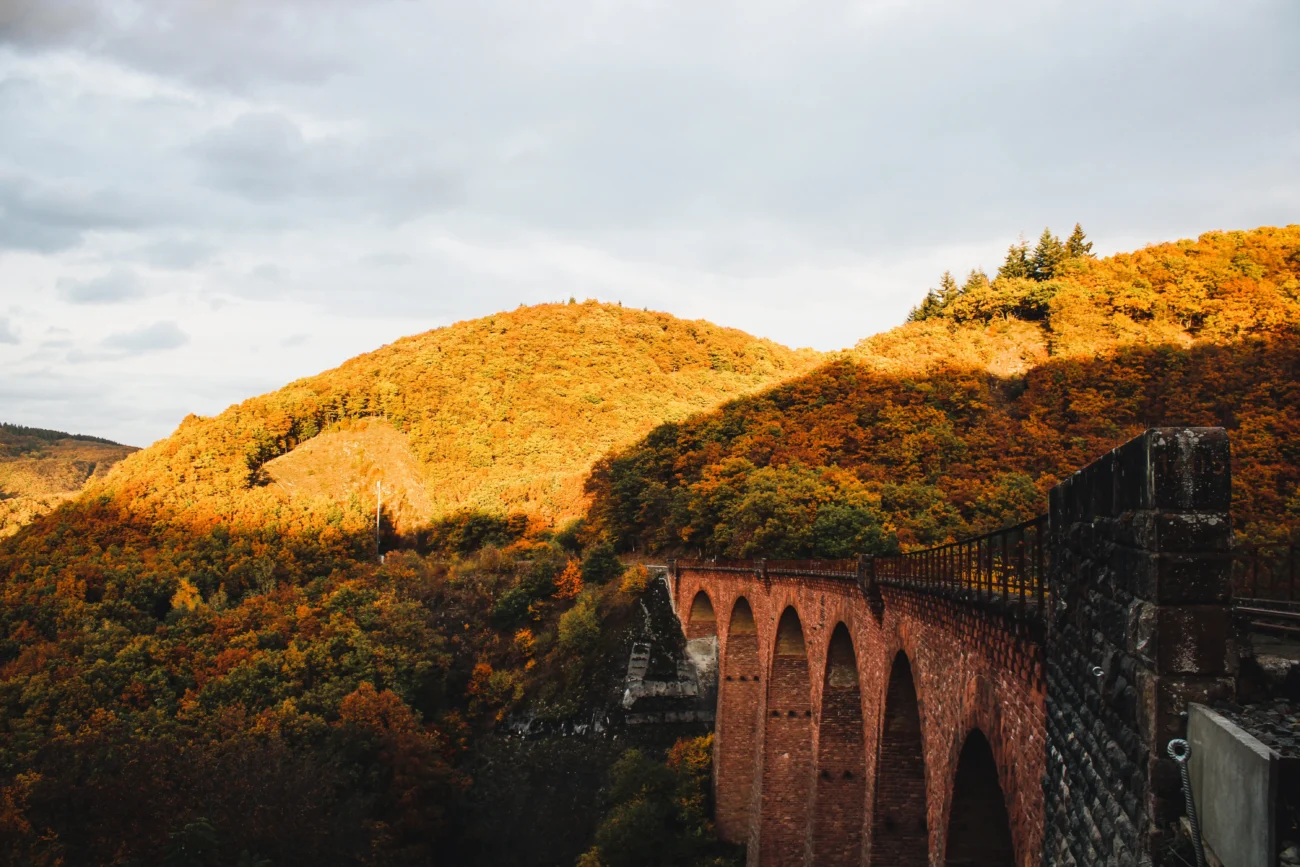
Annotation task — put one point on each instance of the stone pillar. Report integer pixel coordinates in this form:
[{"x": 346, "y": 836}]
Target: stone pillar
[{"x": 1139, "y": 584}]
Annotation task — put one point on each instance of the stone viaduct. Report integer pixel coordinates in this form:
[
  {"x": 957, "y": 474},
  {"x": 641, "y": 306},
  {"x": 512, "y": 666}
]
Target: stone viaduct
[{"x": 1001, "y": 701}]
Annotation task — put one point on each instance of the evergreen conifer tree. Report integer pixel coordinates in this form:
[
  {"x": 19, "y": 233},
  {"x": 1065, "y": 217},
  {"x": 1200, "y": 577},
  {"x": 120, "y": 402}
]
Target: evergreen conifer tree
[
  {"x": 947, "y": 288},
  {"x": 1048, "y": 256},
  {"x": 930, "y": 306},
  {"x": 1017, "y": 263},
  {"x": 976, "y": 279},
  {"x": 1077, "y": 246}
]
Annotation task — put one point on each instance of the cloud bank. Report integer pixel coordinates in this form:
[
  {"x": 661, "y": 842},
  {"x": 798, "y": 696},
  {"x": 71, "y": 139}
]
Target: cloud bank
[{"x": 272, "y": 186}]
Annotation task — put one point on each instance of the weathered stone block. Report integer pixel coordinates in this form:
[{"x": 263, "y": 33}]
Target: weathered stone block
[
  {"x": 1174, "y": 578},
  {"x": 1192, "y": 639}
]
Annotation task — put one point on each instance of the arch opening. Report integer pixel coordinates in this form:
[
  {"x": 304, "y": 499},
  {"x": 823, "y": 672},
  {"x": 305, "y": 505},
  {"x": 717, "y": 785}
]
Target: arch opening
[
  {"x": 700, "y": 621},
  {"x": 841, "y": 759},
  {"x": 702, "y": 609},
  {"x": 736, "y": 725},
  {"x": 788, "y": 778},
  {"x": 899, "y": 826},
  {"x": 979, "y": 828}
]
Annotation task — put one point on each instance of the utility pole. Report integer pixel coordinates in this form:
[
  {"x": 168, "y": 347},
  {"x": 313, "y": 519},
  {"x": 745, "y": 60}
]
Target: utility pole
[{"x": 379, "y": 505}]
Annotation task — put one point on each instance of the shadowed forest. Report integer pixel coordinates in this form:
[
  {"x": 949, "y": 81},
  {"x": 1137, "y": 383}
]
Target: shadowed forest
[{"x": 202, "y": 661}]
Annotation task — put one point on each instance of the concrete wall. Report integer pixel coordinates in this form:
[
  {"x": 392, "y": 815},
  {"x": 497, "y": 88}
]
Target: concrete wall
[{"x": 1234, "y": 779}]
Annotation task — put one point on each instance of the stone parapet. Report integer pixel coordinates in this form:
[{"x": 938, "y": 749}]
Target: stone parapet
[{"x": 1139, "y": 580}]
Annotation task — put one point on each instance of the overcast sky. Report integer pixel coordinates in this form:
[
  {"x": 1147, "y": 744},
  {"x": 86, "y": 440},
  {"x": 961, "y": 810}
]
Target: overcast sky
[{"x": 203, "y": 199}]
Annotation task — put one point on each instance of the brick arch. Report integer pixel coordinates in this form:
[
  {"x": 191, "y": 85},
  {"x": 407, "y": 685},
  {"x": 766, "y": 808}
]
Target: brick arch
[
  {"x": 979, "y": 826},
  {"x": 700, "y": 620},
  {"x": 787, "y": 747},
  {"x": 736, "y": 727},
  {"x": 841, "y": 758},
  {"x": 900, "y": 829}
]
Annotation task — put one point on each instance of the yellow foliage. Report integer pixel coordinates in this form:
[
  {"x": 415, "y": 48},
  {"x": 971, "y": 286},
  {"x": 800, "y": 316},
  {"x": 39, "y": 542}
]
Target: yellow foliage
[
  {"x": 635, "y": 580},
  {"x": 502, "y": 414},
  {"x": 186, "y": 596}
]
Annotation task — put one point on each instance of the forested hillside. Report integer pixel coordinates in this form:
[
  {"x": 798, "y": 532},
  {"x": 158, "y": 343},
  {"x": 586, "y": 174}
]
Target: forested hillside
[
  {"x": 202, "y": 661},
  {"x": 504, "y": 414},
  {"x": 39, "y": 469},
  {"x": 961, "y": 420}
]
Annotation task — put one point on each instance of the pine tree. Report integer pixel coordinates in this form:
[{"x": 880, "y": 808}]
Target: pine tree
[
  {"x": 1048, "y": 256},
  {"x": 928, "y": 308},
  {"x": 976, "y": 279},
  {"x": 1077, "y": 246},
  {"x": 1017, "y": 264},
  {"x": 948, "y": 290}
]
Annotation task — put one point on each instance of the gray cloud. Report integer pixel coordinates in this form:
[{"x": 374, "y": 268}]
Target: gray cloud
[
  {"x": 264, "y": 157},
  {"x": 45, "y": 215},
  {"x": 116, "y": 285},
  {"x": 7, "y": 332},
  {"x": 150, "y": 338},
  {"x": 39, "y": 23},
  {"x": 177, "y": 253},
  {"x": 801, "y": 176}
]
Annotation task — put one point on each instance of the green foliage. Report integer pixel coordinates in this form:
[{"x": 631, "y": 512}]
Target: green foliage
[
  {"x": 600, "y": 564},
  {"x": 580, "y": 625},
  {"x": 658, "y": 814},
  {"x": 1017, "y": 265},
  {"x": 935, "y": 300},
  {"x": 18, "y": 430},
  {"x": 1048, "y": 256},
  {"x": 468, "y": 530},
  {"x": 1077, "y": 246}
]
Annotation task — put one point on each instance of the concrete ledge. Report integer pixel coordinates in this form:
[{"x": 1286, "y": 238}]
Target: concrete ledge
[{"x": 1234, "y": 781}]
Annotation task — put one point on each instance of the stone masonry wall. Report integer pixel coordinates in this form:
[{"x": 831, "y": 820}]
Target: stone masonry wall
[{"x": 1139, "y": 582}]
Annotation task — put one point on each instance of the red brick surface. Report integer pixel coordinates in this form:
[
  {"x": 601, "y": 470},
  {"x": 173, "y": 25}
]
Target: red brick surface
[
  {"x": 840, "y": 799},
  {"x": 900, "y": 825},
  {"x": 970, "y": 671},
  {"x": 787, "y": 750},
  {"x": 735, "y": 738}
]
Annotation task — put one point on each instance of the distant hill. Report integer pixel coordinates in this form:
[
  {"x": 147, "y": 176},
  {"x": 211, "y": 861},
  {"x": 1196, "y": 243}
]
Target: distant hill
[
  {"x": 39, "y": 469},
  {"x": 961, "y": 421},
  {"x": 501, "y": 414}
]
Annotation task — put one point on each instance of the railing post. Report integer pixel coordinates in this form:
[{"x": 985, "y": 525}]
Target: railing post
[
  {"x": 1021, "y": 577},
  {"x": 1041, "y": 576}
]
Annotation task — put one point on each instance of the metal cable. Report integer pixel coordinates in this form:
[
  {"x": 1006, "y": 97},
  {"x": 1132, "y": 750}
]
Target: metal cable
[{"x": 1180, "y": 751}]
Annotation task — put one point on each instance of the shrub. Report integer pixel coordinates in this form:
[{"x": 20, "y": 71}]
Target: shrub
[
  {"x": 580, "y": 625},
  {"x": 635, "y": 580},
  {"x": 601, "y": 564}
]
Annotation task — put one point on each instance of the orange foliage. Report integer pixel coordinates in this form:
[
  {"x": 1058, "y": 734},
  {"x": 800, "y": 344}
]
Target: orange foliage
[
  {"x": 569, "y": 584},
  {"x": 503, "y": 414},
  {"x": 950, "y": 426}
]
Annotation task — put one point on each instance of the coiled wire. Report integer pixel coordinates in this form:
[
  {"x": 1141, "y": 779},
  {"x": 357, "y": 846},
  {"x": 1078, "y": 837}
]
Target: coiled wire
[{"x": 1180, "y": 751}]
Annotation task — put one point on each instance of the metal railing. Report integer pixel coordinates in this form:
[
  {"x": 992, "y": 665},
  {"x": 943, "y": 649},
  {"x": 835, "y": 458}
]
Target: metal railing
[
  {"x": 841, "y": 569},
  {"x": 1005, "y": 569},
  {"x": 1266, "y": 587}
]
